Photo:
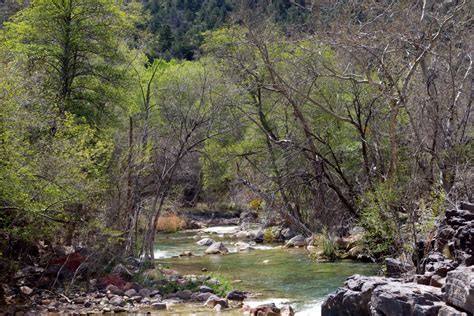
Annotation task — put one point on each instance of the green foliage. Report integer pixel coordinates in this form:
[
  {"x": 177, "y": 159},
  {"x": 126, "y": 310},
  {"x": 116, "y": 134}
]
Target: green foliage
[
  {"x": 182, "y": 37},
  {"x": 268, "y": 235},
  {"x": 380, "y": 219},
  {"x": 429, "y": 210},
  {"x": 256, "y": 204},
  {"x": 77, "y": 52},
  {"x": 328, "y": 246},
  {"x": 219, "y": 283}
]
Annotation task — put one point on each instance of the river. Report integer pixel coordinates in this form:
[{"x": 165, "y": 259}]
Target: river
[{"x": 278, "y": 274}]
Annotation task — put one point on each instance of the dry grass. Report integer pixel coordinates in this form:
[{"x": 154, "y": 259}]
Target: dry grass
[{"x": 170, "y": 223}]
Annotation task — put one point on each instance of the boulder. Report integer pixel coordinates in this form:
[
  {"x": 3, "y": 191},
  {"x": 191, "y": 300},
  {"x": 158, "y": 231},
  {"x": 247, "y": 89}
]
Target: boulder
[
  {"x": 136, "y": 298},
  {"x": 376, "y": 296},
  {"x": 346, "y": 302},
  {"x": 205, "y": 242},
  {"x": 259, "y": 236},
  {"x": 214, "y": 300},
  {"x": 265, "y": 310},
  {"x": 144, "y": 292},
  {"x": 26, "y": 290},
  {"x": 396, "y": 298},
  {"x": 117, "y": 301},
  {"x": 450, "y": 311},
  {"x": 183, "y": 295},
  {"x": 437, "y": 281},
  {"x": 131, "y": 293},
  {"x": 422, "y": 279},
  {"x": 236, "y": 295},
  {"x": 155, "y": 293},
  {"x": 297, "y": 241},
  {"x": 186, "y": 254},
  {"x": 205, "y": 289},
  {"x": 395, "y": 268},
  {"x": 202, "y": 297},
  {"x": 459, "y": 288},
  {"x": 216, "y": 248}
]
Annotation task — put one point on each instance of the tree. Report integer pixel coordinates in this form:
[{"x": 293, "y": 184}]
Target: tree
[{"x": 75, "y": 49}]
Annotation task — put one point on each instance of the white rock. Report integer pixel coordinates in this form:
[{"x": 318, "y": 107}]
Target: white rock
[{"x": 26, "y": 290}]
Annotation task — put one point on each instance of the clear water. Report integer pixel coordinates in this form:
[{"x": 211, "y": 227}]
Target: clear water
[{"x": 280, "y": 275}]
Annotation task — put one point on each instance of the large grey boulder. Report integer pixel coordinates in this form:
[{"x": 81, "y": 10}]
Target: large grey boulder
[
  {"x": 354, "y": 298},
  {"x": 216, "y": 248},
  {"x": 396, "y": 298},
  {"x": 450, "y": 311},
  {"x": 379, "y": 296},
  {"x": 459, "y": 288}
]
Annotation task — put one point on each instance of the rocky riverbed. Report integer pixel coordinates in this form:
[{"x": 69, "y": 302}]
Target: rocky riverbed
[
  {"x": 187, "y": 279},
  {"x": 442, "y": 284}
]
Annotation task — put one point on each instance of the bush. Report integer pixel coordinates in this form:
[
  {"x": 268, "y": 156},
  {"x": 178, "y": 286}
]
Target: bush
[
  {"x": 379, "y": 219},
  {"x": 170, "y": 223},
  {"x": 328, "y": 246},
  {"x": 268, "y": 235},
  {"x": 325, "y": 245},
  {"x": 219, "y": 283}
]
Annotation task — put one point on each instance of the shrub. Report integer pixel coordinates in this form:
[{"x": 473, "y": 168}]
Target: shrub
[
  {"x": 219, "y": 283},
  {"x": 325, "y": 245},
  {"x": 380, "y": 220},
  {"x": 268, "y": 235},
  {"x": 256, "y": 204},
  {"x": 170, "y": 223},
  {"x": 328, "y": 246}
]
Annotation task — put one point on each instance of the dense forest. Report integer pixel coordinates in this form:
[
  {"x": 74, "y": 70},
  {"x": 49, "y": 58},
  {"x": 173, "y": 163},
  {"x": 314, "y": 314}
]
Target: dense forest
[{"x": 318, "y": 115}]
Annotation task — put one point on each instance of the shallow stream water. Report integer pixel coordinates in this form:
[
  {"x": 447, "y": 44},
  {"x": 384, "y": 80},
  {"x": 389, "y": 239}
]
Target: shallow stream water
[{"x": 278, "y": 274}]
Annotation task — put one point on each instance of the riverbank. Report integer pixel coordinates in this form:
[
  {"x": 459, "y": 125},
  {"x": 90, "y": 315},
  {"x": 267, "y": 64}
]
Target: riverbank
[
  {"x": 263, "y": 273},
  {"x": 244, "y": 257}
]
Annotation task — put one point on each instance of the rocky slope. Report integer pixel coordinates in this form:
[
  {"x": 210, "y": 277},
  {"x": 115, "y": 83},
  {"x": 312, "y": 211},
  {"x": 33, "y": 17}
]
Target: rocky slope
[{"x": 443, "y": 286}]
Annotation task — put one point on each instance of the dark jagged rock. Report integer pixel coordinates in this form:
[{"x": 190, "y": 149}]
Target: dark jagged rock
[
  {"x": 459, "y": 288},
  {"x": 236, "y": 295},
  {"x": 354, "y": 299},
  {"x": 396, "y": 298},
  {"x": 445, "y": 285},
  {"x": 366, "y": 296},
  {"x": 205, "y": 289},
  {"x": 395, "y": 268}
]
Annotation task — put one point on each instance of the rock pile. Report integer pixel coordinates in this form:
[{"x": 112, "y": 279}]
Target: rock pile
[{"x": 443, "y": 286}]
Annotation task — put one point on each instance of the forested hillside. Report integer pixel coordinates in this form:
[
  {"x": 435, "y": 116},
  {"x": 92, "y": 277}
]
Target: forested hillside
[
  {"x": 178, "y": 26},
  {"x": 316, "y": 116}
]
